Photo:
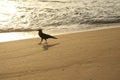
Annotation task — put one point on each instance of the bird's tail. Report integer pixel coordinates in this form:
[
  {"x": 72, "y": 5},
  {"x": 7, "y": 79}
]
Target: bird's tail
[{"x": 54, "y": 38}]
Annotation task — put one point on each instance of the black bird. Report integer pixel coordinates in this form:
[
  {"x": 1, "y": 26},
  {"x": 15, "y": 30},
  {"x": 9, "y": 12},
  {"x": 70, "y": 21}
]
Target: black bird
[{"x": 44, "y": 36}]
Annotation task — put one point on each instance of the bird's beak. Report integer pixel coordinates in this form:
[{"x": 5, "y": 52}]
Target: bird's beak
[{"x": 37, "y": 29}]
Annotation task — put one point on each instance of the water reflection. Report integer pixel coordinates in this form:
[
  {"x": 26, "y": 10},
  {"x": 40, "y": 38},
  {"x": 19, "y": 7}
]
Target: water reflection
[
  {"x": 11, "y": 36},
  {"x": 7, "y": 10}
]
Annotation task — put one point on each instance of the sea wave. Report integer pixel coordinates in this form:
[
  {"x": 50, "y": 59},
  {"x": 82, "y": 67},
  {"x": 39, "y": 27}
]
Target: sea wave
[{"x": 29, "y": 16}]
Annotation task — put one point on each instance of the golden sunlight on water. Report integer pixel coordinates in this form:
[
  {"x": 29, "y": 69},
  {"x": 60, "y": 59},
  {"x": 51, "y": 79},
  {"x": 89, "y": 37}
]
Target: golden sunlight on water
[
  {"x": 7, "y": 8},
  {"x": 7, "y": 11}
]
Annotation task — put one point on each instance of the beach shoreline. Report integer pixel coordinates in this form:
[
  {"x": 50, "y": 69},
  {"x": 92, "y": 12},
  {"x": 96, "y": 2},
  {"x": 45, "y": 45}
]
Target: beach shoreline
[
  {"x": 92, "y": 55},
  {"x": 22, "y": 35}
]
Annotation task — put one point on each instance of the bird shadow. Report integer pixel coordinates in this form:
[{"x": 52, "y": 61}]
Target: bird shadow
[{"x": 47, "y": 46}]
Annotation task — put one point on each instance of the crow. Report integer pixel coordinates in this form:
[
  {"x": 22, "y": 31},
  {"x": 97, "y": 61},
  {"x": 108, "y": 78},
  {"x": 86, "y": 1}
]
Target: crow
[{"x": 44, "y": 36}]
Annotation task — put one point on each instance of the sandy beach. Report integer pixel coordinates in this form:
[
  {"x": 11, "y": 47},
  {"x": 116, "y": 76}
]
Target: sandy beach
[{"x": 92, "y": 55}]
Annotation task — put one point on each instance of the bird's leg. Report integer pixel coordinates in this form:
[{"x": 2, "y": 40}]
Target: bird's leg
[
  {"x": 45, "y": 41},
  {"x": 41, "y": 41}
]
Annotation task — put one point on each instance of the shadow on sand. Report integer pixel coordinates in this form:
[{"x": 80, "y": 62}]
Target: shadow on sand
[{"x": 47, "y": 46}]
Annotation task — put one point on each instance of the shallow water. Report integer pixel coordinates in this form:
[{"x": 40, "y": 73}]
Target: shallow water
[{"x": 12, "y": 36}]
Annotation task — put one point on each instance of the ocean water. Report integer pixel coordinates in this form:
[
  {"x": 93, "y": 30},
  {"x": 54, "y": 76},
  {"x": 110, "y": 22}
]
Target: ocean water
[{"x": 57, "y": 16}]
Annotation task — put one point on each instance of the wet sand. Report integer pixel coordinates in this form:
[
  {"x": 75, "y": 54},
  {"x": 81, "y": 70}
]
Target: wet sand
[{"x": 92, "y": 55}]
